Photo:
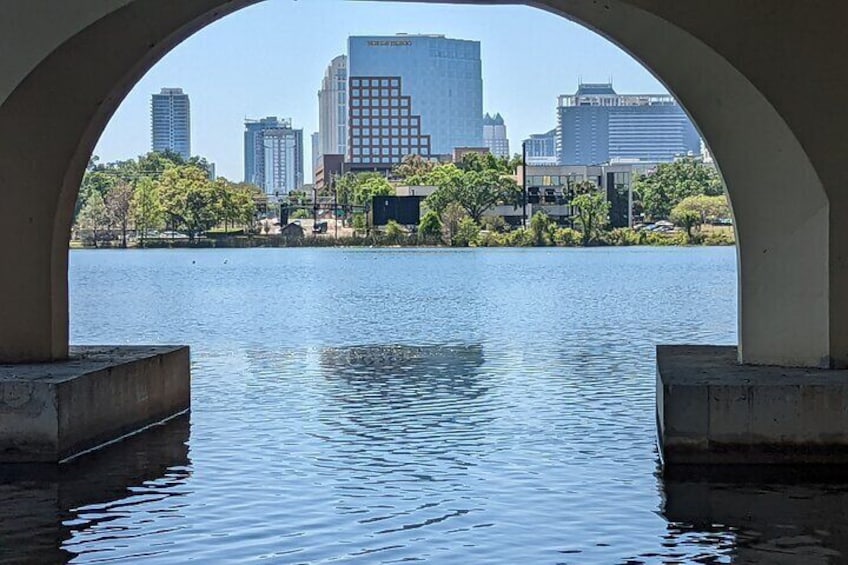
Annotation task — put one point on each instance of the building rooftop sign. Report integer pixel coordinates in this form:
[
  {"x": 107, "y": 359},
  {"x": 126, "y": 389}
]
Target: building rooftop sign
[{"x": 389, "y": 43}]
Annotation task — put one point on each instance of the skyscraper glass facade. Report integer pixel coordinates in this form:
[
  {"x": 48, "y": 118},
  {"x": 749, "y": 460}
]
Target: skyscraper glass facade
[
  {"x": 597, "y": 125},
  {"x": 412, "y": 94},
  {"x": 170, "y": 122},
  {"x": 273, "y": 155}
]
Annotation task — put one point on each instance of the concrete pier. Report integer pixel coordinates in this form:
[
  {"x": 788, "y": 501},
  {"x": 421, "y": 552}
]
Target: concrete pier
[
  {"x": 50, "y": 412},
  {"x": 711, "y": 409}
]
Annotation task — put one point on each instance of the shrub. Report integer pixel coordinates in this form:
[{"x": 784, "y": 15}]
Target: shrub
[
  {"x": 520, "y": 238},
  {"x": 719, "y": 238},
  {"x": 467, "y": 233},
  {"x": 624, "y": 237},
  {"x": 567, "y": 237},
  {"x": 495, "y": 224}
]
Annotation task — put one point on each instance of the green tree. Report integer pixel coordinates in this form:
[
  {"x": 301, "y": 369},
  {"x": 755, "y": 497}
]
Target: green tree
[
  {"x": 542, "y": 229},
  {"x": 189, "y": 199},
  {"x": 364, "y": 191},
  {"x": 468, "y": 233},
  {"x": 430, "y": 227},
  {"x": 452, "y": 215},
  {"x": 394, "y": 232},
  {"x": 660, "y": 191},
  {"x": 360, "y": 223},
  {"x": 473, "y": 190},
  {"x": 146, "y": 208},
  {"x": 301, "y": 214},
  {"x": 118, "y": 203},
  {"x": 496, "y": 224},
  {"x": 94, "y": 218},
  {"x": 708, "y": 208},
  {"x": 687, "y": 219},
  {"x": 591, "y": 214},
  {"x": 96, "y": 180},
  {"x": 359, "y": 188},
  {"x": 414, "y": 167}
]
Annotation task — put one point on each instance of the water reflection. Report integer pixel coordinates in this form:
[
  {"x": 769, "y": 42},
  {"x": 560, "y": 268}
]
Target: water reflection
[
  {"x": 46, "y": 511},
  {"x": 753, "y": 515},
  {"x": 422, "y": 412},
  {"x": 403, "y": 393}
]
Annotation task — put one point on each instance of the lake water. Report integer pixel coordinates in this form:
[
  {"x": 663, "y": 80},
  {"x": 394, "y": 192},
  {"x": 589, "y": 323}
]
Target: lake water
[{"x": 385, "y": 406}]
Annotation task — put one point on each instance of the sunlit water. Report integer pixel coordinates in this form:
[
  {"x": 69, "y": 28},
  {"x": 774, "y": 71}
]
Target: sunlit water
[{"x": 382, "y": 406}]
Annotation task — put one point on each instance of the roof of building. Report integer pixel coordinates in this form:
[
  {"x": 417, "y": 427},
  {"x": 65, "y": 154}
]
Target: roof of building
[
  {"x": 589, "y": 89},
  {"x": 496, "y": 120}
]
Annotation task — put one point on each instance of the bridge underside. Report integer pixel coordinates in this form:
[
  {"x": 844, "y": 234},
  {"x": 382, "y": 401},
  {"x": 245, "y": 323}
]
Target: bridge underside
[{"x": 764, "y": 83}]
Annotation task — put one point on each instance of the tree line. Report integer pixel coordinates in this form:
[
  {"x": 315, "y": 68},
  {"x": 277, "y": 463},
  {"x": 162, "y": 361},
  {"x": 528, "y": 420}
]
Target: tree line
[
  {"x": 158, "y": 191},
  {"x": 686, "y": 192}
]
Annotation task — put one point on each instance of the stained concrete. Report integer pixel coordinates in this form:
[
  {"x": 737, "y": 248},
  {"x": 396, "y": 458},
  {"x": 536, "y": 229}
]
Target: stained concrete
[
  {"x": 711, "y": 409},
  {"x": 50, "y": 412}
]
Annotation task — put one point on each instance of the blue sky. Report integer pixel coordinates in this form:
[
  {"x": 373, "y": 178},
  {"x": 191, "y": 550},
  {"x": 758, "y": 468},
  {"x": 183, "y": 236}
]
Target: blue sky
[{"x": 269, "y": 59}]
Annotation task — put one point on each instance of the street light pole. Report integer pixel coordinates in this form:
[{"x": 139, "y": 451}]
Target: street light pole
[{"x": 524, "y": 182}]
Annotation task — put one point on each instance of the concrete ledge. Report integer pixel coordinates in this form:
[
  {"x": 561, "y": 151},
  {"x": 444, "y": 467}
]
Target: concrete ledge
[
  {"x": 710, "y": 409},
  {"x": 51, "y": 412}
]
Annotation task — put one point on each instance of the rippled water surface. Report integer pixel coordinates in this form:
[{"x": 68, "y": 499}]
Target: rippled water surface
[{"x": 383, "y": 406}]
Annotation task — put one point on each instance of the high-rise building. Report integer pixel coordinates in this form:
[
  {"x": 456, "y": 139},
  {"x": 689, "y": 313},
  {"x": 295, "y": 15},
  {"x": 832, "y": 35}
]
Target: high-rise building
[
  {"x": 170, "y": 122},
  {"x": 316, "y": 149},
  {"x": 597, "y": 125},
  {"x": 332, "y": 108},
  {"x": 273, "y": 155},
  {"x": 494, "y": 135},
  {"x": 541, "y": 148},
  {"x": 412, "y": 94}
]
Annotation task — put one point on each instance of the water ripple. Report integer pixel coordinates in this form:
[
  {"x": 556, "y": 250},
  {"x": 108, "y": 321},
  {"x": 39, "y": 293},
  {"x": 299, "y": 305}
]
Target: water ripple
[{"x": 485, "y": 406}]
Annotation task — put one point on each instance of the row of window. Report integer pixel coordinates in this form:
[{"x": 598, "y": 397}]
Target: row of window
[
  {"x": 382, "y": 102},
  {"x": 371, "y": 82},
  {"x": 553, "y": 180},
  {"x": 368, "y": 151},
  {"x": 375, "y": 92},
  {"x": 368, "y": 112},
  {"x": 386, "y": 141},
  {"x": 385, "y": 132},
  {"x": 403, "y": 122},
  {"x": 376, "y": 160}
]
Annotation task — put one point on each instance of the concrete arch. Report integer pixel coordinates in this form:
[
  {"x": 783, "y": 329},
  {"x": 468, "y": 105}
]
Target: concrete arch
[{"x": 70, "y": 65}]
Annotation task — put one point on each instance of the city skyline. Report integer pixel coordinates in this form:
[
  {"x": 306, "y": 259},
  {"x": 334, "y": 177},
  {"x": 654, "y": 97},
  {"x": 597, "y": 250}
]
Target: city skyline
[{"x": 211, "y": 66}]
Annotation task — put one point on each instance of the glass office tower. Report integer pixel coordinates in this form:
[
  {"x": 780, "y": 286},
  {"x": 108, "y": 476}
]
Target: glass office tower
[
  {"x": 412, "y": 94},
  {"x": 597, "y": 125}
]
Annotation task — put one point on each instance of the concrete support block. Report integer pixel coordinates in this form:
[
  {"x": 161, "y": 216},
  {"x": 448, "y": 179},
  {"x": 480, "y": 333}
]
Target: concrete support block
[
  {"x": 710, "y": 409},
  {"x": 51, "y": 412}
]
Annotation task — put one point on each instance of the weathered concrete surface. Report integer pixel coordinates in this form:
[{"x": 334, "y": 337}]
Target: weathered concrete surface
[
  {"x": 52, "y": 411},
  {"x": 710, "y": 409}
]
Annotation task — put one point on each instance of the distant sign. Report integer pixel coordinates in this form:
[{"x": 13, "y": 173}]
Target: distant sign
[{"x": 390, "y": 43}]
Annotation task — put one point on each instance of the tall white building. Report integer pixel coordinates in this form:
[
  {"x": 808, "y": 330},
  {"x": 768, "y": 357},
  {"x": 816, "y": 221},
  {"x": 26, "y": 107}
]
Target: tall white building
[
  {"x": 494, "y": 135},
  {"x": 273, "y": 152},
  {"x": 332, "y": 109},
  {"x": 170, "y": 122}
]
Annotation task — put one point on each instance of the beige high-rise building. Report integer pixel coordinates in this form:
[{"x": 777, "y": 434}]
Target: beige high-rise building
[{"x": 332, "y": 109}]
